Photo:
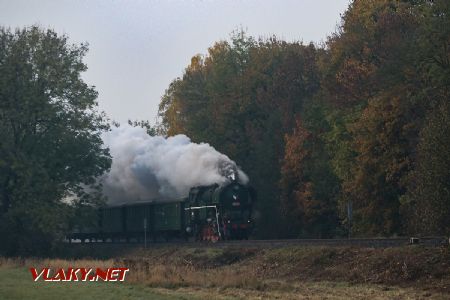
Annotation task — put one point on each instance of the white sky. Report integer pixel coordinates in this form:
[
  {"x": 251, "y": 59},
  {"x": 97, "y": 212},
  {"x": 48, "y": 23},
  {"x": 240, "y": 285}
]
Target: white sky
[{"x": 138, "y": 47}]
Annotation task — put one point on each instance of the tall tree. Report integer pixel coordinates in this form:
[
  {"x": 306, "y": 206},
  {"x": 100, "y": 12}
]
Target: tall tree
[
  {"x": 371, "y": 77},
  {"x": 426, "y": 205},
  {"x": 241, "y": 98},
  {"x": 50, "y": 146}
]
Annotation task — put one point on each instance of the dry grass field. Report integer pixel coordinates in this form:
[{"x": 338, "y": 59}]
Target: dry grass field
[{"x": 230, "y": 273}]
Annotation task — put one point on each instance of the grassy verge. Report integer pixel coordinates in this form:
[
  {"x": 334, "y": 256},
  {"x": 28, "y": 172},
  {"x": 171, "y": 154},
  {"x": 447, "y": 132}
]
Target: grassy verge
[
  {"x": 16, "y": 283},
  {"x": 231, "y": 273}
]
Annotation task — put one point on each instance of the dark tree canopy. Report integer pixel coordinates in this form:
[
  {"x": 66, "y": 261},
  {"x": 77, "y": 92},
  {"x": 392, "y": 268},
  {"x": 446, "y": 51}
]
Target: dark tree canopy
[
  {"x": 50, "y": 145},
  {"x": 360, "y": 121}
]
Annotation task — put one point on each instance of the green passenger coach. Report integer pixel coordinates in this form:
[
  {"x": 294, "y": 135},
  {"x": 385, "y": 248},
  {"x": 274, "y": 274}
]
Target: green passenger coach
[{"x": 208, "y": 213}]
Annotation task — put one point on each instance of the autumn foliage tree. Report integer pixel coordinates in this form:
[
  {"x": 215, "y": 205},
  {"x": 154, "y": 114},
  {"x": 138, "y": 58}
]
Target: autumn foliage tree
[
  {"x": 309, "y": 206},
  {"x": 354, "y": 122},
  {"x": 240, "y": 98},
  {"x": 374, "y": 76}
]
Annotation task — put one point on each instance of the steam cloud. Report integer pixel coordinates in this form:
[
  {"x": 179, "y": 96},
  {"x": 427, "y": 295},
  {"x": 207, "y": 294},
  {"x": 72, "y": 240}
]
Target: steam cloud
[{"x": 146, "y": 168}]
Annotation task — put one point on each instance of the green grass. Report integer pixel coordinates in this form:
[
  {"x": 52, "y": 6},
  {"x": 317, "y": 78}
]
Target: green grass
[{"x": 17, "y": 283}]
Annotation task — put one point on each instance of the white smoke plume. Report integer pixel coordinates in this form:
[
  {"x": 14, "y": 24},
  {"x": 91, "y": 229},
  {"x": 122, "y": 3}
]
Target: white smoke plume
[{"x": 146, "y": 168}]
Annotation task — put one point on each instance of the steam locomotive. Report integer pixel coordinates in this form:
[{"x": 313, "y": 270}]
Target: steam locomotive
[{"x": 209, "y": 213}]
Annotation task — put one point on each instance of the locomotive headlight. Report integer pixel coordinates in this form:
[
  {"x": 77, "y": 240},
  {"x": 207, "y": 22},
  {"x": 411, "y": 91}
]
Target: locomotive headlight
[{"x": 188, "y": 229}]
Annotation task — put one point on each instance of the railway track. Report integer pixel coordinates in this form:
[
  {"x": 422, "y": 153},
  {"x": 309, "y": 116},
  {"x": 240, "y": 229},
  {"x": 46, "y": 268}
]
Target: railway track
[
  {"x": 360, "y": 242},
  {"x": 353, "y": 242}
]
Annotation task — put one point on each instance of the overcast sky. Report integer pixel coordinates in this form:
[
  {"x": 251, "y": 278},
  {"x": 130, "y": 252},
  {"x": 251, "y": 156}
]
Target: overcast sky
[{"x": 138, "y": 47}]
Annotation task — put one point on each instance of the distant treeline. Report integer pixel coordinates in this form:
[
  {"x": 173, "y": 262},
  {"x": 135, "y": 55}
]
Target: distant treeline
[{"x": 361, "y": 122}]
